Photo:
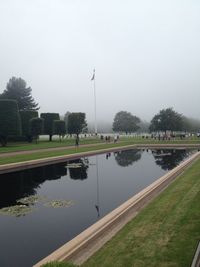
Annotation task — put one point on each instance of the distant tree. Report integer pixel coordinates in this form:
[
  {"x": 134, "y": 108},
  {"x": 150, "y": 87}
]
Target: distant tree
[
  {"x": 76, "y": 123},
  {"x": 66, "y": 120},
  {"x": 191, "y": 124},
  {"x": 16, "y": 89},
  {"x": 59, "y": 128},
  {"x": 49, "y": 118},
  {"x": 125, "y": 122},
  {"x": 36, "y": 127},
  {"x": 10, "y": 124},
  {"x": 144, "y": 127},
  {"x": 26, "y": 116},
  {"x": 167, "y": 120}
]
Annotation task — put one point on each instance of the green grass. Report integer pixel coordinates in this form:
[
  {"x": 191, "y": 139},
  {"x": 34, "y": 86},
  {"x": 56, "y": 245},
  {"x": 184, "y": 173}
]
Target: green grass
[
  {"x": 71, "y": 148},
  {"x": 59, "y": 264},
  {"x": 48, "y": 154},
  {"x": 14, "y": 147},
  {"x": 165, "y": 233}
]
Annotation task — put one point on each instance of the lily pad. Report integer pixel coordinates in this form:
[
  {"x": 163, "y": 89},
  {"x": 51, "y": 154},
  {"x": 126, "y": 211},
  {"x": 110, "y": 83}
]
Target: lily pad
[
  {"x": 59, "y": 203},
  {"x": 16, "y": 210},
  {"x": 30, "y": 200}
]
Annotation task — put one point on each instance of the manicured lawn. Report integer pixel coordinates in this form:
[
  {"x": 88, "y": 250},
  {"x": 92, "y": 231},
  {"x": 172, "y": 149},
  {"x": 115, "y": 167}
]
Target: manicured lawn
[
  {"x": 13, "y": 147},
  {"x": 165, "y": 233},
  {"x": 46, "y": 154},
  {"x": 59, "y": 264}
]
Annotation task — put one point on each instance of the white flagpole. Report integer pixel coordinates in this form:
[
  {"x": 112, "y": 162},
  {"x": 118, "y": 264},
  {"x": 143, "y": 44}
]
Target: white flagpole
[{"x": 95, "y": 105}]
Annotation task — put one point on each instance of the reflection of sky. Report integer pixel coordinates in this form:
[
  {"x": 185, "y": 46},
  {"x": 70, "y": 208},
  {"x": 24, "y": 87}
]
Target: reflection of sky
[{"x": 45, "y": 229}]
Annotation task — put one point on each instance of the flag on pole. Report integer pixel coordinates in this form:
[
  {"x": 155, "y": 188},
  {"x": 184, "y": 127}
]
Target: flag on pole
[{"x": 93, "y": 76}]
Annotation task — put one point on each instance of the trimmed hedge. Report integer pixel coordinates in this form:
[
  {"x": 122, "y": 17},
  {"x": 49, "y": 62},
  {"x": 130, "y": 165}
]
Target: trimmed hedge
[
  {"x": 26, "y": 116},
  {"x": 48, "y": 123},
  {"x": 59, "y": 127},
  {"x": 10, "y": 123},
  {"x": 36, "y": 127},
  {"x": 76, "y": 122}
]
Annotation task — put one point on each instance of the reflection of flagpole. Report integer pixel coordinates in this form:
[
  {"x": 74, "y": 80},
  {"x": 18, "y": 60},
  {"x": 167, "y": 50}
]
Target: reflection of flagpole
[
  {"x": 97, "y": 203},
  {"x": 95, "y": 108}
]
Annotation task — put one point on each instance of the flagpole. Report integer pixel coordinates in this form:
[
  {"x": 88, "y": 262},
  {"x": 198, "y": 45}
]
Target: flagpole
[{"x": 95, "y": 105}]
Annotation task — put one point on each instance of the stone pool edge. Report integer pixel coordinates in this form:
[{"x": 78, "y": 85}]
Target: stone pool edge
[
  {"x": 80, "y": 248},
  {"x": 20, "y": 166}
]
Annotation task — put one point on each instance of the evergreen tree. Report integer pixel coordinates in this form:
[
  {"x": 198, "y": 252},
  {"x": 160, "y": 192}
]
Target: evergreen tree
[
  {"x": 16, "y": 89},
  {"x": 10, "y": 124}
]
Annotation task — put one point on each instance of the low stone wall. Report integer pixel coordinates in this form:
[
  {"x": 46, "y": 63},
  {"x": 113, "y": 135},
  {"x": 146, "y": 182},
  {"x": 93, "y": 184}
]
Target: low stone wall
[
  {"x": 80, "y": 248},
  {"x": 196, "y": 260}
]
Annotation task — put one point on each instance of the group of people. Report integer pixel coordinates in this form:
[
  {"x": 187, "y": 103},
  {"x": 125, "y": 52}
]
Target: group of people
[{"x": 108, "y": 138}]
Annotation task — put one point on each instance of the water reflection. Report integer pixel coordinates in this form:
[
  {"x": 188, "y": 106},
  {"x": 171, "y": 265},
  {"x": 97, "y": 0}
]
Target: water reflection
[
  {"x": 18, "y": 185},
  {"x": 168, "y": 159},
  {"x": 127, "y": 157},
  {"x": 79, "y": 170},
  {"x": 15, "y": 186}
]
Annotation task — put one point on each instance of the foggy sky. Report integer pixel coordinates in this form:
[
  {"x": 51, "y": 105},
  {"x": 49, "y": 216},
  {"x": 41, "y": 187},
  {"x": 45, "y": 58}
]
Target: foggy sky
[{"x": 146, "y": 54}]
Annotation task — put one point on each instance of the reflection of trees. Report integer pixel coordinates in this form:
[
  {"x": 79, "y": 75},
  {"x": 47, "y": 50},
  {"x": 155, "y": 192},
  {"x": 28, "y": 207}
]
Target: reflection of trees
[
  {"x": 168, "y": 159},
  {"x": 127, "y": 157},
  {"x": 79, "y": 173},
  {"x": 14, "y": 186}
]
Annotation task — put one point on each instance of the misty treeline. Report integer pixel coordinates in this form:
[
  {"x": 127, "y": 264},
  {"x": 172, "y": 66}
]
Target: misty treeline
[{"x": 20, "y": 120}]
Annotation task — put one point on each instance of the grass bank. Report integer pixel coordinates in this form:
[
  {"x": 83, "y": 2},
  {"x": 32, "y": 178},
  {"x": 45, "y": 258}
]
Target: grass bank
[
  {"x": 69, "y": 150},
  {"x": 165, "y": 233},
  {"x": 43, "y": 144}
]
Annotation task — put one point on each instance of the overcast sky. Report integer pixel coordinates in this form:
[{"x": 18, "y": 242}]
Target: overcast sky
[{"x": 146, "y": 54}]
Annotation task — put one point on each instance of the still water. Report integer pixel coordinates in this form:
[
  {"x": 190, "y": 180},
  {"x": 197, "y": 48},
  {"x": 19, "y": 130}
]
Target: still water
[{"x": 92, "y": 187}]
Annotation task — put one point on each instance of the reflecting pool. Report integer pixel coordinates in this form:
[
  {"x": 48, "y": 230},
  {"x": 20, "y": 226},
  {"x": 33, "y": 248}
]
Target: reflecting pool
[{"x": 43, "y": 208}]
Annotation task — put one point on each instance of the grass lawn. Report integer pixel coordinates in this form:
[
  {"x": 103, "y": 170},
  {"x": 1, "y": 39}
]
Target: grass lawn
[
  {"x": 14, "y": 147},
  {"x": 72, "y": 150},
  {"x": 164, "y": 234}
]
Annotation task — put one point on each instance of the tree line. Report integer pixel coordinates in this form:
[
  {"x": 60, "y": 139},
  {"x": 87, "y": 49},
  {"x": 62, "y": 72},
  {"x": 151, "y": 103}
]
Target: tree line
[
  {"x": 19, "y": 116},
  {"x": 165, "y": 120}
]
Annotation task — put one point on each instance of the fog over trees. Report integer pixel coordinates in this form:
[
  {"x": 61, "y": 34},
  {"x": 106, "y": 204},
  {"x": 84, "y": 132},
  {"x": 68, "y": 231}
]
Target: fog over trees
[{"x": 145, "y": 53}]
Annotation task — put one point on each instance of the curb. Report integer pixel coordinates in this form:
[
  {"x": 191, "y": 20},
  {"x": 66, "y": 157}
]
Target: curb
[{"x": 196, "y": 260}]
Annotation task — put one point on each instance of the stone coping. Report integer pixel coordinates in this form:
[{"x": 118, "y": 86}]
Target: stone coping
[
  {"x": 19, "y": 166},
  {"x": 81, "y": 243},
  {"x": 196, "y": 260}
]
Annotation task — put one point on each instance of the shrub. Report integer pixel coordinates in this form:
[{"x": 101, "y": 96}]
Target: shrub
[
  {"x": 36, "y": 127},
  {"x": 10, "y": 124},
  {"x": 59, "y": 127},
  {"x": 26, "y": 116},
  {"x": 48, "y": 123}
]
